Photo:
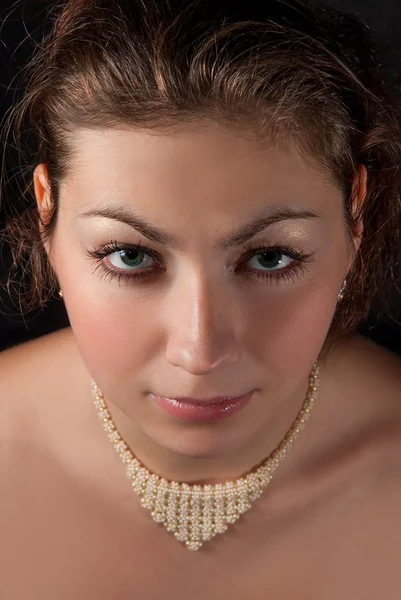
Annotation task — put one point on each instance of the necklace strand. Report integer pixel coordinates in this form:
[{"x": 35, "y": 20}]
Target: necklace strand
[{"x": 194, "y": 513}]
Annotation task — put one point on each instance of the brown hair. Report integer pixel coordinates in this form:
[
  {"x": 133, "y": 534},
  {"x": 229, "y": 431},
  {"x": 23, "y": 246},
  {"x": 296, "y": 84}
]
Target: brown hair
[{"x": 282, "y": 71}]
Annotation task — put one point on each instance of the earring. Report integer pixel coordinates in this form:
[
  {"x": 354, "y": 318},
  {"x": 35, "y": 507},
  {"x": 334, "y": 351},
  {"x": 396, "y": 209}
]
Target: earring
[
  {"x": 341, "y": 292},
  {"x": 61, "y": 294}
]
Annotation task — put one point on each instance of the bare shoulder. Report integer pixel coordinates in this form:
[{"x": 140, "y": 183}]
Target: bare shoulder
[
  {"x": 366, "y": 368},
  {"x": 34, "y": 373},
  {"x": 39, "y": 363},
  {"x": 361, "y": 389},
  {"x": 33, "y": 349}
]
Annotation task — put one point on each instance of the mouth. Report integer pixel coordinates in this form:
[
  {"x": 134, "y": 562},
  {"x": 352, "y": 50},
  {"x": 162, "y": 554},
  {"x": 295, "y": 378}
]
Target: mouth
[
  {"x": 202, "y": 401},
  {"x": 206, "y": 410}
]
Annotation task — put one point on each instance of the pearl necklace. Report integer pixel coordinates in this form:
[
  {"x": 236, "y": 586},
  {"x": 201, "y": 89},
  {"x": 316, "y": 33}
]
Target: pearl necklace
[{"x": 195, "y": 513}]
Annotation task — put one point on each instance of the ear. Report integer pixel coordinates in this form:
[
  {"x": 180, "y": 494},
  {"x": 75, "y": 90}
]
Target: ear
[
  {"x": 43, "y": 197},
  {"x": 359, "y": 188}
]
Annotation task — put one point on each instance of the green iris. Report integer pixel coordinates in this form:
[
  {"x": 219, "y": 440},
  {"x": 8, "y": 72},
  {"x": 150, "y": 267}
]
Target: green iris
[{"x": 131, "y": 258}]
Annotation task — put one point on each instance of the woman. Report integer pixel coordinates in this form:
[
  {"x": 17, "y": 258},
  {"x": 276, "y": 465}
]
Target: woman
[{"x": 217, "y": 193}]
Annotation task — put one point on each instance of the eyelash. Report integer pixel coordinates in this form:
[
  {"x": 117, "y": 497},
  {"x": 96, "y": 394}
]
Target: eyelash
[{"x": 280, "y": 275}]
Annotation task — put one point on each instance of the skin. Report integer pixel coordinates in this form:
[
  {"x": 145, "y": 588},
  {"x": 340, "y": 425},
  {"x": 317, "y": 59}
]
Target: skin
[{"x": 199, "y": 326}]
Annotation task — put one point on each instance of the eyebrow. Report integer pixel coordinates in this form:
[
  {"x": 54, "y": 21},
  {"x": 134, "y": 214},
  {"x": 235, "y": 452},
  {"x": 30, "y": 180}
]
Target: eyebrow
[{"x": 240, "y": 236}]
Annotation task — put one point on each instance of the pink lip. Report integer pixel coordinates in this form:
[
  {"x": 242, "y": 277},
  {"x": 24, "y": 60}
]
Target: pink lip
[
  {"x": 204, "y": 401},
  {"x": 212, "y": 409}
]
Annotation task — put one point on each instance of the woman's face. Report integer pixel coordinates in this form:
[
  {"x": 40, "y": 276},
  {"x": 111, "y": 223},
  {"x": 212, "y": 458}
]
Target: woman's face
[{"x": 198, "y": 314}]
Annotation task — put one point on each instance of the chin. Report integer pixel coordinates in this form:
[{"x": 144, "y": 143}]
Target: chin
[{"x": 202, "y": 440}]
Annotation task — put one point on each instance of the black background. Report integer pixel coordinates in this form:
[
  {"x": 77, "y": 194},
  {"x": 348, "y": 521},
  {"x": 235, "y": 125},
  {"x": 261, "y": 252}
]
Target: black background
[{"x": 20, "y": 27}]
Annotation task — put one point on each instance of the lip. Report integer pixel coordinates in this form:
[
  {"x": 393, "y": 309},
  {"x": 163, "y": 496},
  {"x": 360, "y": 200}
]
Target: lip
[
  {"x": 202, "y": 401},
  {"x": 212, "y": 409}
]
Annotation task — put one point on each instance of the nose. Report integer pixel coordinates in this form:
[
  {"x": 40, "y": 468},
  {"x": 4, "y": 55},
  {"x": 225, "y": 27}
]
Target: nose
[{"x": 201, "y": 329}]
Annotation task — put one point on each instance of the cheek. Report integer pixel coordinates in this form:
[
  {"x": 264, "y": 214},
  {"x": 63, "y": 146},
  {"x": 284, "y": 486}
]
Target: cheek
[
  {"x": 289, "y": 334},
  {"x": 115, "y": 335}
]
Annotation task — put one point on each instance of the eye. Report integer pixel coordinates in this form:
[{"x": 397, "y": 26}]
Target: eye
[
  {"x": 130, "y": 258},
  {"x": 270, "y": 259},
  {"x": 126, "y": 262},
  {"x": 274, "y": 263}
]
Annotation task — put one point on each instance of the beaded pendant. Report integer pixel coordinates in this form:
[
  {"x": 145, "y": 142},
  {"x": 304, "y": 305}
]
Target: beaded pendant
[{"x": 195, "y": 514}]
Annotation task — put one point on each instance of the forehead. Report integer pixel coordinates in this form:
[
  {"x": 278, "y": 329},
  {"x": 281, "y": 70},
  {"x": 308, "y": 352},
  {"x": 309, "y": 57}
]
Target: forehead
[{"x": 204, "y": 164}]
